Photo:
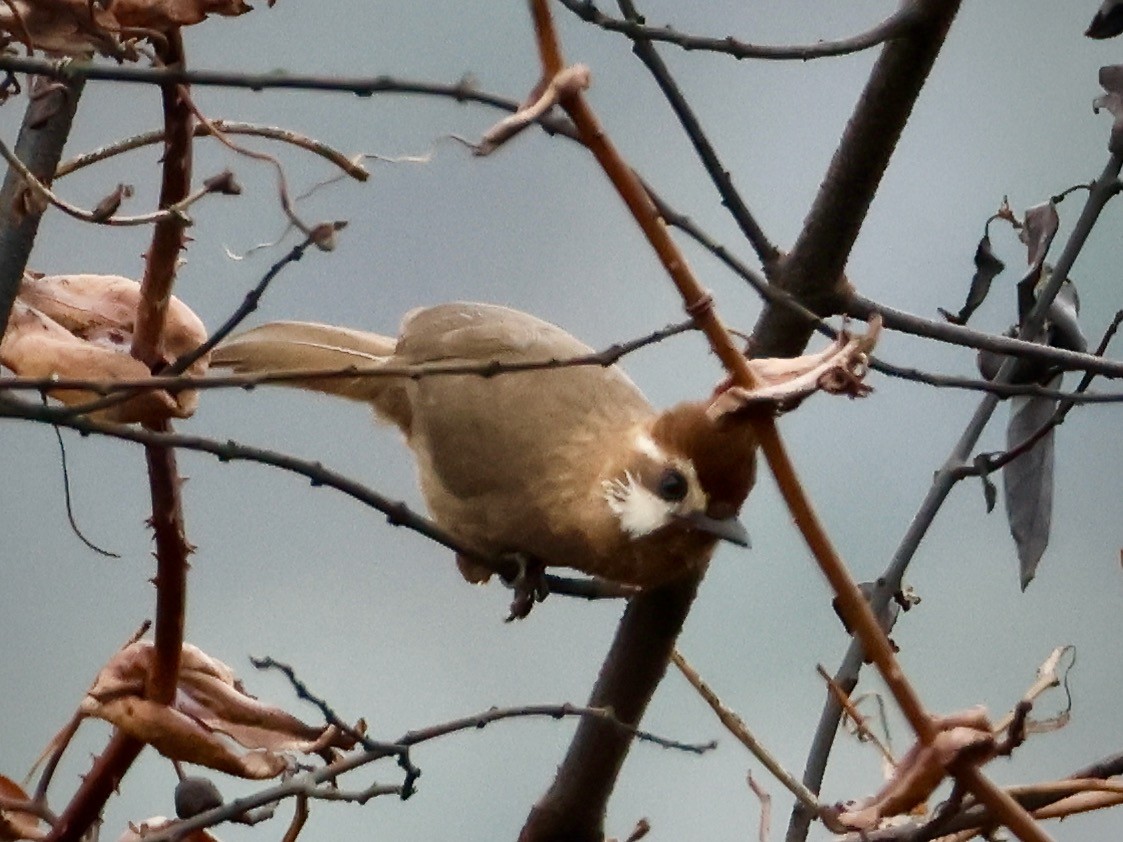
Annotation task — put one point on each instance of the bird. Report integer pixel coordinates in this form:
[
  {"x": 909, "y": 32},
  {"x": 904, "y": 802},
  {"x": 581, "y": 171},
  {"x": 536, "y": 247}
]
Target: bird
[{"x": 567, "y": 466}]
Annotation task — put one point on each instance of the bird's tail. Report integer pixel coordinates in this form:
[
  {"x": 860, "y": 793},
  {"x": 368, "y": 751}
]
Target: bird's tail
[{"x": 294, "y": 347}]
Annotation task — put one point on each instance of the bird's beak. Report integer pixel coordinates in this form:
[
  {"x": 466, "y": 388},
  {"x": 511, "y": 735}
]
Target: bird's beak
[{"x": 727, "y": 529}]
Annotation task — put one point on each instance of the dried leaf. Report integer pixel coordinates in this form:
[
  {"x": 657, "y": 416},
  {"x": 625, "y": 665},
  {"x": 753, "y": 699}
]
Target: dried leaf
[
  {"x": 79, "y": 27},
  {"x": 108, "y": 206},
  {"x": 15, "y": 824},
  {"x": 546, "y": 95},
  {"x": 990, "y": 492},
  {"x": 1038, "y": 231},
  {"x": 137, "y": 832},
  {"x": 1111, "y": 80},
  {"x": 784, "y": 382},
  {"x": 987, "y": 267},
  {"x": 224, "y": 184},
  {"x": 962, "y": 736},
  {"x": 1028, "y": 481},
  {"x": 1107, "y": 22},
  {"x": 81, "y": 326},
  {"x": 209, "y": 711},
  {"x": 1063, "y": 320}
]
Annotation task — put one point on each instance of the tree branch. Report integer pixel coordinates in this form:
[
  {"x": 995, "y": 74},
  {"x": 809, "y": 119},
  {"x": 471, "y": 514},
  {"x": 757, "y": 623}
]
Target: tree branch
[
  {"x": 1105, "y": 187},
  {"x": 895, "y": 26},
  {"x": 39, "y": 146},
  {"x": 813, "y": 271}
]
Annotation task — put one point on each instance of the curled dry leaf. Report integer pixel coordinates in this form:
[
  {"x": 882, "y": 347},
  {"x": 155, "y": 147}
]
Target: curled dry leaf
[
  {"x": 1111, "y": 80},
  {"x": 1107, "y": 22},
  {"x": 838, "y": 369},
  {"x": 78, "y": 27},
  {"x": 81, "y": 327},
  {"x": 15, "y": 824},
  {"x": 965, "y": 736},
  {"x": 209, "y": 718},
  {"x": 548, "y": 93},
  {"x": 137, "y": 832}
]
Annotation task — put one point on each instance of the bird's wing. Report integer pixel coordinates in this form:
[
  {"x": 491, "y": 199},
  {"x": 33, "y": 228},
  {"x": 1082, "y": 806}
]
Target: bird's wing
[
  {"x": 306, "y": 346},
  {"x": 471, "y": 332}
]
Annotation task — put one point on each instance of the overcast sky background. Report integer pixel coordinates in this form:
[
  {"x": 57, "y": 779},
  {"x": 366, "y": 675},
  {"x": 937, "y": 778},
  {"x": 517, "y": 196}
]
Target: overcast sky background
[{"x": 376, "y": 619}]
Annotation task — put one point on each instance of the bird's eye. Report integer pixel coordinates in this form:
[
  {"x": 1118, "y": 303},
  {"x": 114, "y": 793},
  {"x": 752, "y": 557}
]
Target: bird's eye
[{"x": 673, "y": 485}]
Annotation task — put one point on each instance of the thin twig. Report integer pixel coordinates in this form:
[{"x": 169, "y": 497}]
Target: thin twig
[
  {"x": 892, "y": 27},
  {"x": 736, "y": 726},
  {"x": 176, "y": 211},
  {"x": 173, "y": 383},
  {"x": 310, "y": 144},
  {"x": 397, "y": 513},
  {"x": 307, "y": 783},
  {"x": 765, "y": 250}
]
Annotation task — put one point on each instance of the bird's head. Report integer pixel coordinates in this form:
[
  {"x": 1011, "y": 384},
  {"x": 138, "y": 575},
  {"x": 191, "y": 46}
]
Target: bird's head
[{"x": 684, "y": 473}]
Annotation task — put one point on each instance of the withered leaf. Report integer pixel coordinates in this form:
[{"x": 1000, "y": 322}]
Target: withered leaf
[
  {"x": 80, "y": 27},
  {"x": 108, "y": 206},
  {"x": 15, "y": 824},
  {"x": 1028, "y": 481},
  {"x": 1107, "y": 22},
  {"x": 1111, "y": 80},
  {"x": 81, "y": 326},
  {"x": 138, "y": 832},
  {"x": 212, "y": 721},
  {"x": 987, "y": 267},
  {"x": 964, "y": 736},
  {"x": 840, "y": 368}
]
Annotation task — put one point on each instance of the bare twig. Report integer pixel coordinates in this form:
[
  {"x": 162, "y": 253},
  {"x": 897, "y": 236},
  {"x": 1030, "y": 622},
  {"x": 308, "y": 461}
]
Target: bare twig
[
  {"x": 175, "y": 382},
  {"x": 352, "y": 168},
  {"x": 308, "y": 784},
  {"x": 736, "y": 726},
  {"x": 766, "y": 251},
  {"x": 176, "y": 211},
  {"x": 397, "y": 513},
  {"x": 765, "y": 808},
  {"x": 635, "y": 28}
]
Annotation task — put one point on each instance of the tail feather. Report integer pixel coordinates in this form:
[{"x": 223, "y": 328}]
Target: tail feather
[{"x": 284, "y": 347}]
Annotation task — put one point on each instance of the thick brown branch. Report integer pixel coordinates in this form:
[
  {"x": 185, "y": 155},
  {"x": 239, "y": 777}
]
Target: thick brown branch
[
  {"x": 812, "y": 271},
  {"x": 39, "y": 147}
]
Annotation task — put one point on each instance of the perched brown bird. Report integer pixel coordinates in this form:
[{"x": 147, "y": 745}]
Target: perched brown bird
[{"x": 567, "y": 467}]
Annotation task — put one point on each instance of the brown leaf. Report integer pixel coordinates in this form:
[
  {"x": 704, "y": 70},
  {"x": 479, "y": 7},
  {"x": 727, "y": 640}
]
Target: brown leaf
[
  {"x": 838, "y": 369},
  {"x": 137, "y": 832},
  {"x": 212, "y": 719},
  {"x": 81, "y": 326},
  {"x": 963, "y": 736},
  {"x": 16, "y": 824},
  {"x": 81, "y": 27},
  {"x": 1111, "y": 80},
  {"x": 546, "y": 95},
  {"x": 166, "y": 14},
  {"x": 108, "y": 206}
]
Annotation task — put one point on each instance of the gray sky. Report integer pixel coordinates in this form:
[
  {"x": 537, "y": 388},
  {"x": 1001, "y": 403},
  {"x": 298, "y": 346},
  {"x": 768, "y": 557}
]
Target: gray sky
[{"x": 376, "y": 619}]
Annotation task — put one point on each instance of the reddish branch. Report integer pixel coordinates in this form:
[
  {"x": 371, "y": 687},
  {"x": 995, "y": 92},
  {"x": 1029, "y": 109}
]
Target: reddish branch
[
  {"x": 168, "y": 240},
  {"x": 172, "y": 548}
]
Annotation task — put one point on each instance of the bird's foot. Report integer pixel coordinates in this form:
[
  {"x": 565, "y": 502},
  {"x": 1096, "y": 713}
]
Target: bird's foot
[{"x": 529, "y": 584}]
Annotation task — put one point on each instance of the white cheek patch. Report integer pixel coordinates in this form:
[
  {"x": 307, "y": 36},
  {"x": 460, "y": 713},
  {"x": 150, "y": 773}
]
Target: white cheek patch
[
  {"x": 646, "y": 445},
  {"x": 640, "y": 511}
]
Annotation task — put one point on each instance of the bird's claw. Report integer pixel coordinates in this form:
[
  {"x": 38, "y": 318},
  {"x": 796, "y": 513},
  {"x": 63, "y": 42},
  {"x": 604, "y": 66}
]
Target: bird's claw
[{"x": 529, "y": 585}]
